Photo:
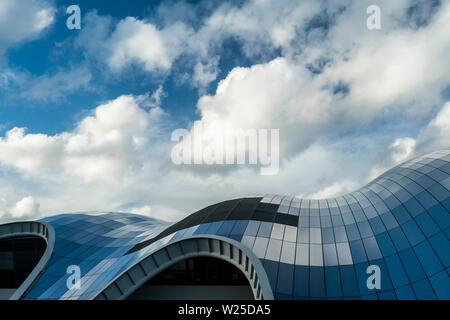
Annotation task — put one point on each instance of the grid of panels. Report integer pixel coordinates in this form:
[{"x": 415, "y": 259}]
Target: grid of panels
[{"x": 399, "y": 222}]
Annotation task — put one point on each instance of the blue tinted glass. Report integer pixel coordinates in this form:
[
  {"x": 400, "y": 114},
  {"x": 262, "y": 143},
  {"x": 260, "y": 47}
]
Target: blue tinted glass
[
  {"x": 428, "y": 258},
  {"x": 240, "y": 227},
  {"x": 237, "y": 237},
  {"x": 359, "y": 215},
  {"x": 365, "y": 229},
  {"x": 441, "y": 285},
  {"x": 405, "y": 293},
  {"x": 352, "y": 232},
  {"x": 389, "y": 220},
  {"x": 386, "y": 283},
  {"x": 424, "y": 181},
  {"x": 358, "y": 253},
  {"x": 413, "y": 233},
  {"x": 372, "y": 250},
  {"x": 333, "y": 282},
  {"x": 202, "y": 228},
  {"x": 423, "y": 290},
  {"x": 317, "y": 281},
  {"x": 328, "y": 235},
  {"x": 303, "y": 222},
  {"x": 214, "y": 227},
  {"x": 439, "y": 192},
  {"x": 226, "y": 227},
  {"x": 370, "y": 212},
  {"x": 414, "y": 188},
  {"x": 412, "y": 265},
  {"x": 399, "y": 239},
  {"x": 348, "y": 218},
  {"x": 314, "y": 222},
  {"x": 441, "y": 246},
  {"x": 252, "y": 228},
  {"x": 325, "y": 221},
  {"x": 391, "y": 202},
  {"x": 396, "y": 271},
  {"x": 413, "y": 207},
  {"x": 301, "y": 281},
  {"x": 281, "y": 296},
  {"x": 285, "y": 278},
  {"x": 303, "y": 235},
  {"x": 337, "y": 221},
  {"x": 330, "y": 255},
  {"x": 362, "y": 276},
  {"x": 388, "y": 295},
  {"x": 403, "y": 195},
  {"x": 401, "y": 214},
  {"x": 349, "y": 283},
  {"x": 426, "y": 200},
  {"x": 377, "y": 225},
  {"x": 271, "y": 268},
  {"x": 370, "y": 297},
  {"x": 428, "y": 226},
  {"x": 265, "y": 229},
  {"x": 340, "y": 234},
  {"x": 440, "y": 215}
]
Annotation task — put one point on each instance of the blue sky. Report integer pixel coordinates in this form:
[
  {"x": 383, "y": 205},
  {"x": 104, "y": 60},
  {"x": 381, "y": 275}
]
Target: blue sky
[
  {"x": 54, "y": 52},
  {"x": 86, "y": 115}
]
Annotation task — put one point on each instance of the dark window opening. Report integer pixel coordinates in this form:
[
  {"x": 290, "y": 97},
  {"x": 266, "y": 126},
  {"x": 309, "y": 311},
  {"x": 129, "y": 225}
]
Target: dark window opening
[
  {"x": 18, "y": 257},
  {"x": 197, "y": 278},
  {"x": 201, "y": 271}
]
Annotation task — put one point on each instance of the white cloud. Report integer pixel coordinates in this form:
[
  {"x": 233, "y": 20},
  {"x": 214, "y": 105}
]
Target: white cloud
[
  {"x": 103, "y": 146},
  {"x": 333, "y": 122},
  {"x": 398, "y": 65},
  {"x": 145, "y": 210},
  {"x": 260, "y": 25},
  {"x": 400, "y": 150},
  {"x": 336, "y": 189},
  {"x": 25, "y": 208},
  {"x": 437, "y": 133},
  {"x": 378, "y": 77},
  {"x": 205, "y": 73},
  {"x": 22, "y": 20},
  {"x": 52, "y": 87},
  {"x": 135, "y": 42},
  {"x": 434, "y": 136}
]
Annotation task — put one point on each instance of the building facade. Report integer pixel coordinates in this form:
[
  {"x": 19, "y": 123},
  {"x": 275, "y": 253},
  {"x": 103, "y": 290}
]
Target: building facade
[{"x": 388, "y": 240}]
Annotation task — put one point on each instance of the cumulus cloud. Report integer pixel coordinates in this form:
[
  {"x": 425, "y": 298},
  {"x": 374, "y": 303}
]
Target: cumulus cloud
[
  {"x": 437, "y": 133},
  {"x": 103, "y": 146},
  {"x": 338, "y": 93},
  {"x": 399, "y": 72},
  {"x": 434, "y": 136},
  {"x": 133, "y": 42},
  {"x": 336, "y": 189},
  {"x": 22, "y": 20},
  {"x": 400, "y": 150},
  {"x": 330, "y": 37},
  {"x": 25, "y": 208},
  {"x": 205, "y": 73}
]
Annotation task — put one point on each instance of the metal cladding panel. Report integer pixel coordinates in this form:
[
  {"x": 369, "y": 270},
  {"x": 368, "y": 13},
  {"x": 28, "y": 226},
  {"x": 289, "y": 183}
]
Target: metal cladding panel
[{"x": 310, "y": 249}]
